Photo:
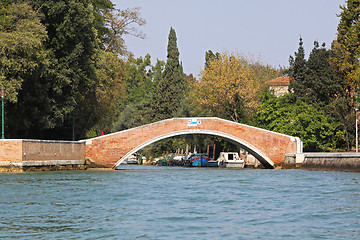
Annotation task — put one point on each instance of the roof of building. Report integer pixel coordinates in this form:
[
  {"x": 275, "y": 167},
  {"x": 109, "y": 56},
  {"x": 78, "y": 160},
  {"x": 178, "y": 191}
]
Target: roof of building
[{"x": 279, "y": 81}]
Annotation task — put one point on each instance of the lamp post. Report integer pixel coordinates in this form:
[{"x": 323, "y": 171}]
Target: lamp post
[
  {"x": 356, "y": 123},
  {"x": 2, "y": 89},
  {"x": 357, "y": 137},
  {"x": 73, "y": 126}
]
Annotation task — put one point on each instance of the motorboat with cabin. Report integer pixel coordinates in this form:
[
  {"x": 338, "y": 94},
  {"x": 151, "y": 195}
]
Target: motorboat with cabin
[{"x": 230, "y": 160}]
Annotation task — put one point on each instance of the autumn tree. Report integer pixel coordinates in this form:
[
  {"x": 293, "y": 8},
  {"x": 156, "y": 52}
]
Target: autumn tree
[
  {"x": 345, "y": 55},
  {"x": 227, "y": 87},
  {"x": 119, "y": 24},
  {"x": 346, "y": 46}
]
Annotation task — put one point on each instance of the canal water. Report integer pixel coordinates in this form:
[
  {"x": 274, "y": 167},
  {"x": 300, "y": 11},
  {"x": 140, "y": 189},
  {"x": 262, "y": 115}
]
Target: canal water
[{"x": 148, "y": 202}]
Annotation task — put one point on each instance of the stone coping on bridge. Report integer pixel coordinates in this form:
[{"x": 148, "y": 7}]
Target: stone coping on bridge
[
  {"x": 186, "y": 118},
  {"x": 268, "y": 146},
  {"x": 41, "y": 141}
]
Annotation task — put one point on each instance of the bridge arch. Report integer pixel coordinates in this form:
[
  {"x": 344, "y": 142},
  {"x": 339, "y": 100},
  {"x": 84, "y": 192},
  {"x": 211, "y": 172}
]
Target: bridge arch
[
  {"x": 267, "y": 146},
  {"x": 247, "y": 146}
]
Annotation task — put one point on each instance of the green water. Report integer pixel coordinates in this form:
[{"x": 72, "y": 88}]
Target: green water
[{"x": 180, "y": 203}]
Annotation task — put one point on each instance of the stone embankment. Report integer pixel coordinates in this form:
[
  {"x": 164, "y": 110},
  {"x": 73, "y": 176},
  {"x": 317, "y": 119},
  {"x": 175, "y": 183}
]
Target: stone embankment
[
  {"x": 323, "y": 161},
  {"x": 30, "y": 155}
]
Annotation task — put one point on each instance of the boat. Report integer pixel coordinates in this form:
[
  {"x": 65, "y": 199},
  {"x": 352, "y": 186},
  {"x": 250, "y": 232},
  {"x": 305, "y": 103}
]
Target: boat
[
  {"x": 230, "y": 160},
  {"x": 212, "y": 163},
  {"x": 132, "y": 160},
  {"x": 198, "y": 159}
]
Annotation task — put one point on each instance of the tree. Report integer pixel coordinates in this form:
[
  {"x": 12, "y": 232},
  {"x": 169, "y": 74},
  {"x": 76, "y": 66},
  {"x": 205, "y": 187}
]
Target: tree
[
  {"x": 346, "y": 46},
  {"x": 322, "y": 83},
  {"x": 121, "y": 23},
  {"x": 345, "y": 55},
  {"x": 5, "y": 22},
  {"x": 171, "y": 86},
  {"x": 110, "y": 71},
  {"x": 100, "y": 8},
  {"x": 227, "y": 87},
  {"x": 317, "y": 129},
  {"x": 138, "y": 79},
  {"x": 63, "y": 89},
  {"x": 73, "y": 40},
  {"x": 56, "y": 70},
  {"x": 24, "y": 66},
  {"x": 297, "y": 72},
  {"x": 315, "y": 79},
  {"x": 210, "y": 56},
  {"x": 134, "y": 107}
]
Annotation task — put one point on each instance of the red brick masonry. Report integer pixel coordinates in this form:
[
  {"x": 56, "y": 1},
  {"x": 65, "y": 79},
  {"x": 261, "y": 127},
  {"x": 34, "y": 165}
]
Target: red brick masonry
[
  {"x": 107, "y": 150},
  {"x": 21, "y": 150}
]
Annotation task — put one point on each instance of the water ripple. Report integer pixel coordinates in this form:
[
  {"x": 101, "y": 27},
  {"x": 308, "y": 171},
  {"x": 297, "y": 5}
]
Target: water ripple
[{"x": 178, "y": 203}]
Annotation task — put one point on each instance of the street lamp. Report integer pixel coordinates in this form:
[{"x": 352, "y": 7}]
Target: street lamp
[
  {"x": 2, "y": 89},
  {"x": 356, "y": 123}
]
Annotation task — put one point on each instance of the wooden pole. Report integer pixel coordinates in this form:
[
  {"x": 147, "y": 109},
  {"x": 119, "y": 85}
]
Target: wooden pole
[{"x": 214, "y": 151}]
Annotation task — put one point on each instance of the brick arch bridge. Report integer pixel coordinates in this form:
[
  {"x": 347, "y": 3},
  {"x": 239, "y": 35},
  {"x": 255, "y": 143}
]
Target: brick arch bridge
[{"x": 268, "y": 147}]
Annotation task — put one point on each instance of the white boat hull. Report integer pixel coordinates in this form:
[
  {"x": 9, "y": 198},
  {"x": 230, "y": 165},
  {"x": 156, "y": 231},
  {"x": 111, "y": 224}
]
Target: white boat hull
[
  {"x": 230, "y": 160},
  {"x": 237, "y": 164}
]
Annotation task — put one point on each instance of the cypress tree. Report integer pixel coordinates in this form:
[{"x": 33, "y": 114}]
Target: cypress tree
[
  {"x": 297, "y": 72},
  {"x": 170, "y": 87}
]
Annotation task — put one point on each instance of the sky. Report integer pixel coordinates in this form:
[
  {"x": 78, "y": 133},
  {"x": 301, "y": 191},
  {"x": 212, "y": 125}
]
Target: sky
[{"x": 264, "y": 30}]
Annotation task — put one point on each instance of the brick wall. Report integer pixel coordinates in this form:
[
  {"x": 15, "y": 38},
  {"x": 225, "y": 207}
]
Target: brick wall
[
  {"x": 11, "y": 150},
  {"x": 40, "y": 150},
  {"x": 107, "y": 150}
]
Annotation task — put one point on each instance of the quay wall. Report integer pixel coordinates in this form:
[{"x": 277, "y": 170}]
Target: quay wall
[
  {"x": 323, "y": 161},
  {"x": 22, "y": 154}
]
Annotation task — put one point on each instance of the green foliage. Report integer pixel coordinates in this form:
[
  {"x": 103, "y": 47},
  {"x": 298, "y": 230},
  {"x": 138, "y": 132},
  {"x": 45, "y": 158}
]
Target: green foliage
[
  {"x": 346, "y": 47},
  {"x": 171, "y": 86},
  {"x": 127, "y": 119},
  {"x": 110, "y": 71},
  {"x": 210, "y": 56},
  {"x": 315, "y": 79},
  {"x": 298, "y": 71},
  {"x": 100, "y": 8},
  {"x": 54, "y": 70},
  {"x": 313, "y": 126},
  {"x": 192, "y": 142},
  {"x": 134, "y": 107},
  {"x": 138, "y": 79},
  {"x": 25, "y": 64},
  {"x": 322, "y": 83},
  {"x": 22, "y": 49},
  {"x": 5, "y": 18}
]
